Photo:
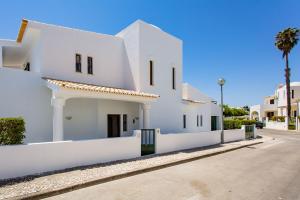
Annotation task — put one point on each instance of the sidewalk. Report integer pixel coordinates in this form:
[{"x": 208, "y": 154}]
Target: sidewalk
[{"x": 50, "y": 184}]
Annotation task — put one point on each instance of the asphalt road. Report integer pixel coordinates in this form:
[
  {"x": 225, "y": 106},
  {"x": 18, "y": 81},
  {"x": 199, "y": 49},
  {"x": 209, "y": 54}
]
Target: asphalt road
[{"x": 268, "y": 171}]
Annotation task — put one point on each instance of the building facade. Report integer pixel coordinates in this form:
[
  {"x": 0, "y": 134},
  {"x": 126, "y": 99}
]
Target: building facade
[
  {"x": 276, "y": 105},
  {"x": 71, "y": 84}
]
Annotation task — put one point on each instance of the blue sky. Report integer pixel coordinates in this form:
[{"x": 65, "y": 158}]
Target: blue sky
[{"x": 233, "y": 39}]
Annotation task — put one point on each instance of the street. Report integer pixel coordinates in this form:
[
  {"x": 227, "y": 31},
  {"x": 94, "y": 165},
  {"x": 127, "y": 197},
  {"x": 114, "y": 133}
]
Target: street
[{"x": 267, "y": 171}]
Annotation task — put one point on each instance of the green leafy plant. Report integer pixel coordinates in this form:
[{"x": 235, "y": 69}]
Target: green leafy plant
[
  {"x": 231, "y": 112},
  {"x": 278, "y": 118},
  {"x": 236, "y": 123},
  {"x": 292, "y": 127},
  {"x": 12, "y": 131}
]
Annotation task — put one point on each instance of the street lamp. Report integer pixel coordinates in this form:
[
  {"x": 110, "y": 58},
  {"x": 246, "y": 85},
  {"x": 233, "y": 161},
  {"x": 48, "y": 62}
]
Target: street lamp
[{"x": 221, "y": 82}]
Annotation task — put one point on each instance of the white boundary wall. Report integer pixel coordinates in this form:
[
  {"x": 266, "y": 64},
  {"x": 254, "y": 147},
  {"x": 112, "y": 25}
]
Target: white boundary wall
[
  {"x": 276, "y": 125},
  {"x": 234, "y": 135},
  {"x": 179, "y": 141},
  {"x": 21, "y": 160}
]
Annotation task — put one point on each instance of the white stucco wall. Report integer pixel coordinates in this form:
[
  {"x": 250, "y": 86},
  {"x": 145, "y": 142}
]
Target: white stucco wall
[
  {"x": 191, "y": 111},
  {"x": 24, "y": 94},
  {"x": 118, "y": 107},
  {"x": 257, "y": 108},
  {"x": 179, "y": 141},
  {"x": 190, "y": 92},
  {"x": 59, "y": 45},
  {"x": 143, "y": 43},
  {"x": 234, "y": 135},
  {"x": 130, "y": 36},
  {"x": 89, "y": 117},
  {"x": 21, "y": 160},
  {"x": 276, "y": 125}
]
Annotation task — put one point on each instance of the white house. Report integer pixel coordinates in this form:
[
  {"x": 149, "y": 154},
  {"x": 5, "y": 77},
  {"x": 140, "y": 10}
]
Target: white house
[
  {"x": 71, "y": 84},
  {"x": 276, "y": 105}
]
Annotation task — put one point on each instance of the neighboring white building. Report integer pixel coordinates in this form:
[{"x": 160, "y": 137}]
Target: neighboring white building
[
  {"x": 276, "y": 105},
  {"x": 71, "y": 84}
]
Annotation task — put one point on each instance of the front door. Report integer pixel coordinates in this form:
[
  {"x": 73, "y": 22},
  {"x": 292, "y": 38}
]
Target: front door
[
  {"x": 113, "y": 125},
  {"x": 214, "y": 123}
]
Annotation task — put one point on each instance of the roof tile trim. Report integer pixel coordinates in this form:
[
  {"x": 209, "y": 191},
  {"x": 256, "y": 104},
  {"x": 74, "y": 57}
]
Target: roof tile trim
[
  {"x": 22, "y": 30},
  {"x": 96, "y": 88}
]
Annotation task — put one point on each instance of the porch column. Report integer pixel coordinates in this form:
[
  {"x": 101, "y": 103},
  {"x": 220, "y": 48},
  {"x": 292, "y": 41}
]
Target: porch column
[
  {"x": 146, "y": 116},
  {"x": 58, "y": 119}
]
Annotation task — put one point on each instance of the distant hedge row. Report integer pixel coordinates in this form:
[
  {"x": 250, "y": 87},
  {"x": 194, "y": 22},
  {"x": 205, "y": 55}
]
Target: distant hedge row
[
  {"x": 12, "y": 130},
  {"x": 278, "y": 118},
  {"x": 236, "y": 123}
]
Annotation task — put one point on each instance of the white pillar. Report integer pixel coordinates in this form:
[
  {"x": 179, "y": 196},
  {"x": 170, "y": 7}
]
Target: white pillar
[
  {"x": 146, "y": 116},
  {"x": 58, "y": 118}
]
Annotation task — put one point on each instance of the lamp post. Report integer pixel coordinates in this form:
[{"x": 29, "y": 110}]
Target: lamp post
[{"x": 221, "y": 82}]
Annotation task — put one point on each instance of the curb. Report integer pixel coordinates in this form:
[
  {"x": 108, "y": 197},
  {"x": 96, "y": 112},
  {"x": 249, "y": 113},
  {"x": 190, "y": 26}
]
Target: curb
[{"x": 50, "y": 193}]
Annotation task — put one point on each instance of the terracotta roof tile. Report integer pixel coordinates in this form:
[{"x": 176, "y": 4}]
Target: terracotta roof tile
[{"x": 96, "y": 88}]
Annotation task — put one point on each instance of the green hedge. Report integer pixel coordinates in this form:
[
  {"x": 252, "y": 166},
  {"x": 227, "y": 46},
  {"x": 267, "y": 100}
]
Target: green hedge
[
  {"x": 236, "y": 123},
  {"x": 278, "y": 119},
  {"x": 12, "y": 131}
]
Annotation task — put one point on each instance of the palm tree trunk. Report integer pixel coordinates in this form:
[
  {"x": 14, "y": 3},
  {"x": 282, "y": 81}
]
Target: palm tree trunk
[{"x": 288, "y": 93}]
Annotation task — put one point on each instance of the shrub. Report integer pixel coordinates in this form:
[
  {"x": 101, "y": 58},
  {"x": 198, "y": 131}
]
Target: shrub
[
  {"x": 248, "y": 122},
  {"x": 292, "y": 127},
  {"x": 12, "y": 131},
  {"x": 236, "y": 123},
  {"x": 278, "y": 118}
]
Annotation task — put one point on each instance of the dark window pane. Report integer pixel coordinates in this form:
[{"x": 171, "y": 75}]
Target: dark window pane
[
  {"x": 173, "y": 79},
  {"x": 151, "y": 72},
  {"x": 124, "y": 122},
  {"x": 201, "y": 120},
  {"x": 78, "y": 63},
  {"x": 90, "y": 65},
  {"x": 184, "y": 121}
]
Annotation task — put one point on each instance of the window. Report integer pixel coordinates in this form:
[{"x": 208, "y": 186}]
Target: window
[
  {"x": 27, "y": 67},
  {"x": 184, "y": 121},
  {"x": 293, "y": 94},
  {"x": 151, "y": 72},
  {"x": 78, "y": 63},
  {"x": 90, "y": 65},
  {"x": 197, "y": 120},
  {"x": 125, "y": 122},
  {"x": 295, "y": 113},
  {"x": 272, "y": 101},
  {"x": 201, "y": 120},
  {"x": 173, "y": 79}
]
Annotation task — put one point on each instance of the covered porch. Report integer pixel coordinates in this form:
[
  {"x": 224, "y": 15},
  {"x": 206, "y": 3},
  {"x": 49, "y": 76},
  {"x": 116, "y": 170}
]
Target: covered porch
[{"x": 84, "y": 111}]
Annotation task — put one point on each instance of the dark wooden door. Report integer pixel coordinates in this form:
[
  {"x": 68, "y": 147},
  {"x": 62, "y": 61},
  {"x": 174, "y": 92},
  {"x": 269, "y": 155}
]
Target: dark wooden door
[
  {"x": 214, "y": 123},
  {"x": 113, "y": 125}
]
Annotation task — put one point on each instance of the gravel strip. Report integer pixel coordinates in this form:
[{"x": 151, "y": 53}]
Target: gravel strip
[{"x": 55, "y": 180}]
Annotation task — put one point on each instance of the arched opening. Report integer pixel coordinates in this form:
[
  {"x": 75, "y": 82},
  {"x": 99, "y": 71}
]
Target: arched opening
[{"x": 255, "y": 115}]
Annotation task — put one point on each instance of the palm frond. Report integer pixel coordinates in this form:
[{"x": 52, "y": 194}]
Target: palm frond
[{"x": 287, "y": 39}]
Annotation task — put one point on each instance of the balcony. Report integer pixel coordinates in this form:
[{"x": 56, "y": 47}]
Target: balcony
[{"x": 270, "y": 107}]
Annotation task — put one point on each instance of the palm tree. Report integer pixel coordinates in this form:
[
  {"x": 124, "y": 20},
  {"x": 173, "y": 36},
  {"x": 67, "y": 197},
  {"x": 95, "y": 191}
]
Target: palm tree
[{"x": 285, "y": 42}]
